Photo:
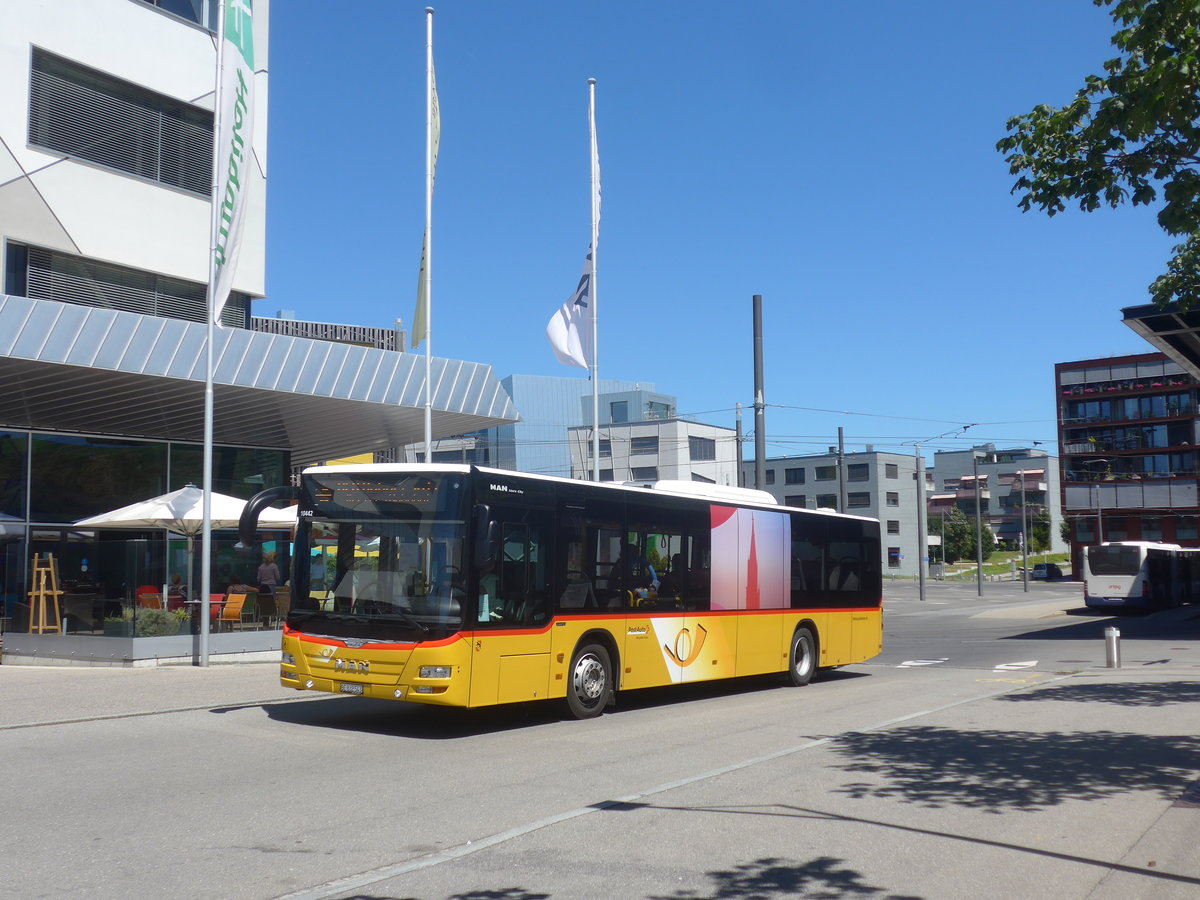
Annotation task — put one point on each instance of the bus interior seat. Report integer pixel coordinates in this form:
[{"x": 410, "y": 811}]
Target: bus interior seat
[{"x": 578, "y": 595}]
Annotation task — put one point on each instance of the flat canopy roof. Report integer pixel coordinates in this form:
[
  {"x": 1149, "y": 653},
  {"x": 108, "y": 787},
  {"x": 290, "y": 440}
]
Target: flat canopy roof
[
  {"x": 77, "y": 368},
  {"x": 1171, "y": 330}
]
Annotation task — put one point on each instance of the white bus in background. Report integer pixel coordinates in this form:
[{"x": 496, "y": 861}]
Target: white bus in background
[{"x": 1140, "y": 575}]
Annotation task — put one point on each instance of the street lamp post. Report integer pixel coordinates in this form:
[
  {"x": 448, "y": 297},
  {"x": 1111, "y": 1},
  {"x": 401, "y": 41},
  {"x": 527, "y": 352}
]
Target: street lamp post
[
  {"x": 1024, "y": 535},
  {"x": 922, "y": 540},
  {"x": 978, "y": 527}
]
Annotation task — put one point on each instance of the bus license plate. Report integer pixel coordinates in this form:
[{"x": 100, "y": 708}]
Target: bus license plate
[{"x": 350, "y": 688}]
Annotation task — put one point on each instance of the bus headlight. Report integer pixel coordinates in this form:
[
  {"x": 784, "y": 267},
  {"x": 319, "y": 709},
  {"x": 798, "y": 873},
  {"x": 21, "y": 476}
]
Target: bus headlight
[
  {"x": 288, "y": 659},
  {"x": 434, "y": 672}
]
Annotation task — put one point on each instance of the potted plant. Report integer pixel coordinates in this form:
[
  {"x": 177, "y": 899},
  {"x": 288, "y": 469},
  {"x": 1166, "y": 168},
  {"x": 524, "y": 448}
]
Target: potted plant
[
  {"x": 156, "y": 623},
  {"x": 183, "y": 620},
  {"x": 119, "y": 625}
]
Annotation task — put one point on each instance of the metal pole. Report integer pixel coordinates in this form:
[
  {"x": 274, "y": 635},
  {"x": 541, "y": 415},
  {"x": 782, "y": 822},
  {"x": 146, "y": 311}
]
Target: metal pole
[
  {"x": 760, "y": 428},
  {"x": 922, "y": 540},
  {"x": 841, "y": 470},
  {"x": 595, "y": 184},
  {"x": 978, "y": 528},
  {"x": 1112, "y": 648},
  {"x": 209, "y": 412},
  {"x": 741, "y": 477},
  {"x": 429, "y": 162},
  {"x": 1024, "y": 534}
]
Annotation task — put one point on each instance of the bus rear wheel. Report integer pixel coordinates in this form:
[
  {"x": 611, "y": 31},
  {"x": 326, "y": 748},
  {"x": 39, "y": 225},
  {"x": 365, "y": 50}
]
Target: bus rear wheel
[
  {"x": 802, "y": 660},
  {"x": 591, "y": 681}
]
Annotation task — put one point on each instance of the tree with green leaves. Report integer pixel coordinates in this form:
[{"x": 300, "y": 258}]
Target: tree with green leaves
[
  {"x": 958, "y": 535},
  {"x": 1130, "y": 135},
  {"x": 1039, "y": 531}
]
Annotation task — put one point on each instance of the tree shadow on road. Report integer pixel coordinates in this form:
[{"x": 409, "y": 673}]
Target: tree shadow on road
[
  {"x": 824, "y": 878},
  {"x": 1166, "y": 693},
  {"x": 997, "y": 771}
]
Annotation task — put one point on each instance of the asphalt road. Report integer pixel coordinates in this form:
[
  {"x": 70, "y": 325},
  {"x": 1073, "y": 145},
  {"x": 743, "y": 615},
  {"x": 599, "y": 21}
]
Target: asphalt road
[{"x": 931, "y": 772}]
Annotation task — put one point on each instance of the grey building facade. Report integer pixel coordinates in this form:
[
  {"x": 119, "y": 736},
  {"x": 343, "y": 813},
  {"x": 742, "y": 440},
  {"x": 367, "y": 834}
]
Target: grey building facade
[{"x": 872, "y": 483}]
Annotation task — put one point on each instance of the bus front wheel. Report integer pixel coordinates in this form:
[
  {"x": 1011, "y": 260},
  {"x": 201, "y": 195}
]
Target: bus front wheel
[
  {"x": 802, "y": 660},
  {"x": 591, "y": 681}
]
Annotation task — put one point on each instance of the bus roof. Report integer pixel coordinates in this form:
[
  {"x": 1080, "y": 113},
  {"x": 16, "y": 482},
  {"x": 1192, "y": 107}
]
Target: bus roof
[
  {"x": 698, "y": 490},
  {"x": 1149, "y": 545}
]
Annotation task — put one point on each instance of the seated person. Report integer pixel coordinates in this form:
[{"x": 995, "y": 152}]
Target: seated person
[
  {"x": 176, "y": 592},
  {"x": 632, "y": 574},
  {"x": 674, "y": 583},
  {"x": 239, "y": 587}
]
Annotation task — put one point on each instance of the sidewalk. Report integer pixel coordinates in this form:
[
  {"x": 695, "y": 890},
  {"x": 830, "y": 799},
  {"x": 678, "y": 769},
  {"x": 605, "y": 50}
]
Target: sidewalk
[{"x": 36, "y": 694}]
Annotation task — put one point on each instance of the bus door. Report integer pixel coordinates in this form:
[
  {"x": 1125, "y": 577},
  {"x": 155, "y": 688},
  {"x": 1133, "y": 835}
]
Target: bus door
[
  {"x": 669, "y": 638},
  {"x": 511, "y": 658},
  {"x": 763, "y": 590}
]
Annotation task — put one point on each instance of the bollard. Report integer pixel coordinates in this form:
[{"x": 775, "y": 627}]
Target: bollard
[{"x": 1112, "y": 648}]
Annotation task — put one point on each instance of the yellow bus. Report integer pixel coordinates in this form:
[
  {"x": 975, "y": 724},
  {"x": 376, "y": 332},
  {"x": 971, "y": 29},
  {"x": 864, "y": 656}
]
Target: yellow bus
[{"x": 464, "y": 586}]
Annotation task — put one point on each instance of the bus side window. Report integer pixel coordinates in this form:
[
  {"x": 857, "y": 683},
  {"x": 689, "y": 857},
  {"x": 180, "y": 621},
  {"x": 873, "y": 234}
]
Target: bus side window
[{"x": 808, "y": 560}]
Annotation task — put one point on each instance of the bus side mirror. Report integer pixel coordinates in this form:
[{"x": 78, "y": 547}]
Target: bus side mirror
[{"x": 248, "y": 522}]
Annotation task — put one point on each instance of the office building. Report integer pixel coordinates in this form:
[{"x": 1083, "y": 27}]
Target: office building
[
  {"x": 658, "y": 450},
  {"x": 877, "y": 484},
  {"x": 105, "y": 173},
  {"x": 1006, "y": 479},
  {"x": 1128, "y": 430}
]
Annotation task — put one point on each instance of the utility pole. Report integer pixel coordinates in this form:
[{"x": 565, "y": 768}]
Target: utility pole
[
  {"x": 1024, "y": 535},
  {"x": 741, "y": 478},
  {"x": 922, "y": 540},
  {"x": 841, "y": 470},
  {"x": 978, "y": 526},
  {"x": 760, "y": 426}
]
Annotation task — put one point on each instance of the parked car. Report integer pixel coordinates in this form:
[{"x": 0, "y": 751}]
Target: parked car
[{"x": 1047, "y": 572}]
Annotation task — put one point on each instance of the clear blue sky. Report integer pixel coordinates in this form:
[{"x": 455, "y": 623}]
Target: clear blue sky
[{"x": 837, "y": 158}]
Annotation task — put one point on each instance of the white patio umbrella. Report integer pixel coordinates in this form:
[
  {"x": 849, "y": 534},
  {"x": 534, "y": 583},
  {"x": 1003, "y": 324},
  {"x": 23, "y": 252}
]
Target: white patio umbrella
[{"x": 182, "y": 512}]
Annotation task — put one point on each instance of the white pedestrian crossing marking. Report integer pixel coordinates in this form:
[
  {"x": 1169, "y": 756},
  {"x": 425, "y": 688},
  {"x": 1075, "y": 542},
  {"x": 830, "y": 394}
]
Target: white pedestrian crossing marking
[
  {"x": 922, "y": 662},
  {"x": 1009, "y": 667}
]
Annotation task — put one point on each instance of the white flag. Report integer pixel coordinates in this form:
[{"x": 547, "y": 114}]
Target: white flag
[
  {"x": 421, "y": 311},
  {"x": 234, "y": 118},
  {"x": 570, "y": 329}
]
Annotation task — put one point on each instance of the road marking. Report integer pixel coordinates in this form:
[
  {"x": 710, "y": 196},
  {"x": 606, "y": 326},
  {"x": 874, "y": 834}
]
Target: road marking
[
  {"x": 1010, "y": 667},
  {"x": 922, "y": 662},
  {"x": 1031, "y": 678}
]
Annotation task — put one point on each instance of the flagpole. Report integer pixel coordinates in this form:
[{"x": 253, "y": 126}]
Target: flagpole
[
  {"x": 428, "y": 229},
  {"x": 595, "y": 270},
  {"x": 206, "y": 478}
]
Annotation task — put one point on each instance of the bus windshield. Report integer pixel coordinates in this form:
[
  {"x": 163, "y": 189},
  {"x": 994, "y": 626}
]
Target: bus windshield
[
  {"x": 1114, "y": 560},
  {"x": 380, "y": 557}
]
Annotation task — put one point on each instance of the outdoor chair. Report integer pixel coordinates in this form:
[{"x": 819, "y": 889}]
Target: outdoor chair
[
  {"x": 283, "y": 603},
  {"x": 148, "y": 597},
  {"x": 149, "y": 601},
  {"x": 267, "y": 612},
  {"x": 237, "y": 611}
]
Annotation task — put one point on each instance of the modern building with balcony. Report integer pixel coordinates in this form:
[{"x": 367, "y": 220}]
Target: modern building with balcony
[
  {"x": 1010, "y": 482},
  {"x": 1128, "y": 428}
]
